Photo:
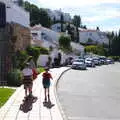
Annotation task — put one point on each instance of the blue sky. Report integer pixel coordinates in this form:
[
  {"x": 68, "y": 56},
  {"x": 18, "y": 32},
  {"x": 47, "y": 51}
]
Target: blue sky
[{"x": 102, "y": 13}]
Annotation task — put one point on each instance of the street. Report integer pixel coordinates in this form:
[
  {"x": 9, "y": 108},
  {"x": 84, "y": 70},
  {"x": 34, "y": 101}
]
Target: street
[{"x": 93, "y": 94}]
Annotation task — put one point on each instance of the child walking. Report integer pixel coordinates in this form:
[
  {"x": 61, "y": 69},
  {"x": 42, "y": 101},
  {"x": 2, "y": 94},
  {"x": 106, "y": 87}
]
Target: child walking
[
  {"x": 46, "y": 83},
  {"x": 28, "y": 80}
]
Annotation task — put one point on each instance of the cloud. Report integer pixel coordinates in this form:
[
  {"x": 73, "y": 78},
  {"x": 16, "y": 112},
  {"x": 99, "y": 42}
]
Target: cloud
[
  {"x": 103, "y": 16},
  {"x": 103, "y": 13},
  {"x": 74, "y": 3}
]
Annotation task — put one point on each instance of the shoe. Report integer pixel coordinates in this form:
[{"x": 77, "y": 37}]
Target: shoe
[{"x": 30, "y": 95}]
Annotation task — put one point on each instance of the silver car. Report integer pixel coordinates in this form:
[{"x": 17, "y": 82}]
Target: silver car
[
  {"x": 89, "y": 62},
  {"x": 79, "y": 64}
]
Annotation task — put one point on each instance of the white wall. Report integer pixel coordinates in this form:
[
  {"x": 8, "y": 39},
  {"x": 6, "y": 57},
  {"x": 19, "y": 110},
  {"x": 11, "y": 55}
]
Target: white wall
[
  {"x": 42, "y": 60},
  {"x": 52, "y": 34},
  {"x": 56, "y": 26},
  {"x": 99, "y": 37},
  {"x": 16, "y": 14}
]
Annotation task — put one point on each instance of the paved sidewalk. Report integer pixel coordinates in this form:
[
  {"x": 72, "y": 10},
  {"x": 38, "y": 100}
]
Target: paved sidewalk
[{"x": 11, "y": 110}]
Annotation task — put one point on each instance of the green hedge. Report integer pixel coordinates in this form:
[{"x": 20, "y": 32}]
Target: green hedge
[
  {"x": 14, "y": 78},
  {"x": 115, "y": 58}
]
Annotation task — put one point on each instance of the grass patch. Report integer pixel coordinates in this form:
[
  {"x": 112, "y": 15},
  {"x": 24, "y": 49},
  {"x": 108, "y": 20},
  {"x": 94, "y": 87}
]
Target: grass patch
[{"x": 5, "y": 93}]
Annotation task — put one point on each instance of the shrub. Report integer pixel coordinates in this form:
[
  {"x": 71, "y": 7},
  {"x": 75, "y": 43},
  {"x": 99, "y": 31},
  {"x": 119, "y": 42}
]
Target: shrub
[
  {"x": 14, "y": 78},
  {"x": 36, "y": 51},
  {"x": 40, "y": 69},
  {"x": 43, "y": 50},
  {"x": 64, "y": 42},
  {"x": 115, "y": 58},
  {"x": 95, "y": 49},
  {"x": 21, "y": 57}
]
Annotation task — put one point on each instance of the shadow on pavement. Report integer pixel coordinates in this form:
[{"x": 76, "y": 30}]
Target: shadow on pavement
[
  {"x": 48, "y": 104},
  {"x": 27, "y": 104}
]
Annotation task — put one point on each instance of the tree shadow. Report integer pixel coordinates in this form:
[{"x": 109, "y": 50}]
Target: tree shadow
[{"x": 27, "y": 104}]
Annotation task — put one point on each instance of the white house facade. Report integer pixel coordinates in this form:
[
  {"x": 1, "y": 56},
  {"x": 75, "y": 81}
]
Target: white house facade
[
  {"x": 16, "y": 14},
  {"x": 92, "y": 36},
  {"x": 44, "y": 37},
  {"x": 56, "y": 27}
]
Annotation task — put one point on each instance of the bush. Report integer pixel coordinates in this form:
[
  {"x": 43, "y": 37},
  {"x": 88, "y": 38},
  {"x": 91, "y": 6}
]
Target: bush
[
  {"x": 43, "y": 50},
  {"x": 95, "y": 49},
  {"x": 14, "y": 78},
  {"x": 40, "y": 69},
  {"x": 21, "y": 57},
  {"x": 64, "y": 42},
  {"x": 115, "y": 58},
  {"x": 36, "y": 51}
]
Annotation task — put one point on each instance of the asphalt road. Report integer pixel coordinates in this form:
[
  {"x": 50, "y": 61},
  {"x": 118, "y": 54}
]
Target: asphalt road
[{"x": 93, "y": 94}]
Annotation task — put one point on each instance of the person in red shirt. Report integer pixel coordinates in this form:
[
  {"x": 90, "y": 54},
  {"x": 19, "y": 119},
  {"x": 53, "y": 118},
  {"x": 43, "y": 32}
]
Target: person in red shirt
[
  {"x": 46, "y": 83},
  {"x": 35, "y": 73}
]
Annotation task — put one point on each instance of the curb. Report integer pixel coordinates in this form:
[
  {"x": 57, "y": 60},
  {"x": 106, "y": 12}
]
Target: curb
[{"x": 56, "y": 96}]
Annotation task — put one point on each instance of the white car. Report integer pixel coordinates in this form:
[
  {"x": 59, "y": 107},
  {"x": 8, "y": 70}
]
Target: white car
[
  {"x": 89, "y": 62},
  {"x": 79, "y": 64}
]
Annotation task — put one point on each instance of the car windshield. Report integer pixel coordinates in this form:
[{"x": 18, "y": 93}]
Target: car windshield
[
  {"x": 79, "y": 60},
  {"x": 89, "y": 59}
]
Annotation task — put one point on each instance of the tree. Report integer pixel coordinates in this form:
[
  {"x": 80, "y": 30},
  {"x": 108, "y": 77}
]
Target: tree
[
  {"x": 98, "y": 28},
  {"x": 114, "y": 43},
  {"x": 20, "y": 2},
  {"x": 37, "y": 16},
  {"x": 95, "y": 49},
  {"x": 27, "y": 6},
  {"x": 59, "y": 58},
  {"x": 62, "y": 22},
  {"x": 71, "y": 31},
  {"x": 77, "y": 23},
  {"x": 44, "y": 19},
  {"x": 34, "y": 52},
  {"x": 64, "y": 42}
]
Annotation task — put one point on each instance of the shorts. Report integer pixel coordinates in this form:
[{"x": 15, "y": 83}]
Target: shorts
[
  {"x": 47, "y": 85},
  {"x": 28, "y": 86},
  {"x": 27, "y": 81},
  {"x": 46, "y": 82}
]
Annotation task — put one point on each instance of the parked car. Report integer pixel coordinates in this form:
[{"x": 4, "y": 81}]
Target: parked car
[
  {"x": 89, "y": 62},
  {"x": 103, "y": 60},
  {"x": 109, "y": 61},
  {"x": 79, "y": 64},
  {"x": 96, "y": 61}
]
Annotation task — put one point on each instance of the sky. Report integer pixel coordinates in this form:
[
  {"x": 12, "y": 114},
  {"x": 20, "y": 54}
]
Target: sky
[{"x": 102, "y": 13}]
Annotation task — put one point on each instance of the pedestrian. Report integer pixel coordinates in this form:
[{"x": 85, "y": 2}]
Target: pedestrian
[
  {"x": 46, "y": 83},
  {"x": 28, "y": 80},
  {"x": 35, "y": 73}
]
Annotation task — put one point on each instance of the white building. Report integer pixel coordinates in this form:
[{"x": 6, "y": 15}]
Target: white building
[
  {"x": 92, "y": 36},
  {"x": 56, "y": 27},
  {"x": 16, "y": 14},
  {"x": 44, "y": 37},
  {"x": 56, "y": 14}
]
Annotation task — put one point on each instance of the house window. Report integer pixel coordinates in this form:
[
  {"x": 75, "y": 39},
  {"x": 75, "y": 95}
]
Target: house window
[
  {"x": 34, "y": 34},
  {"x": 58, "y": 28},
  {"x": 42, "y": 34}
]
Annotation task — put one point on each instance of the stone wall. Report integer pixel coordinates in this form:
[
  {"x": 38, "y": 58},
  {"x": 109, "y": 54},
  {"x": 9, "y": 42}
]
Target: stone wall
[
  {"x": 13, "y": 38},
  {"x": 20, "y": 37}
]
